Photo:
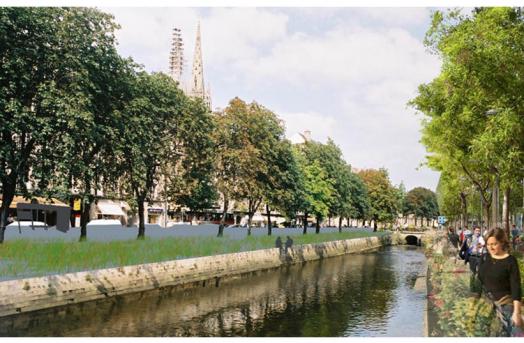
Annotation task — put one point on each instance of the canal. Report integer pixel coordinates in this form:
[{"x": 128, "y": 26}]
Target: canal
[{"x": 367, "y": 294}]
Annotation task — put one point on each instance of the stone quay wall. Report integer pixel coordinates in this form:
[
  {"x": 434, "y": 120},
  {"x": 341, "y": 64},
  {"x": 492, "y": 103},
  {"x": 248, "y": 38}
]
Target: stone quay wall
[{"x": 32, "y": 294}]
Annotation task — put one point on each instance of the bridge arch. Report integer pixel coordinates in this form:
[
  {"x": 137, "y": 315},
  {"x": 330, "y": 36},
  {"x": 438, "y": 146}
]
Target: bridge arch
[{"x": 412, "y": 240}]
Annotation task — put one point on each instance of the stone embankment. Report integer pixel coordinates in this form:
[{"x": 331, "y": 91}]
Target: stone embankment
[{"x": 33, "y": 294}]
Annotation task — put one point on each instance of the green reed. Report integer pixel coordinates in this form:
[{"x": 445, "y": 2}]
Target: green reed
[{"x": 29, "y": 258}]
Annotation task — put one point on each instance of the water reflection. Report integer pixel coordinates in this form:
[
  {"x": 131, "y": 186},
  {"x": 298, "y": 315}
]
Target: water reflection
[{"x": 354, "y": 295}]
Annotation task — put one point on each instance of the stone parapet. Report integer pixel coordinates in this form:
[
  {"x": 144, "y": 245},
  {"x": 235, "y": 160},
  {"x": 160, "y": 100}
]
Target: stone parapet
[{"x": 38, "y": 293}]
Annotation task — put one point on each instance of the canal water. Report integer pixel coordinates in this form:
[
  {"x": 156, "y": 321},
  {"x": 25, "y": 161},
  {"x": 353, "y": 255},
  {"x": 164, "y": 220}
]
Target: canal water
[{"x": 367, "y": 294}]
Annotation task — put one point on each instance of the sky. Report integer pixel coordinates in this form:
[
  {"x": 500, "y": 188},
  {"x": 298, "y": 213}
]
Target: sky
[{"x": 343, "y": 73}]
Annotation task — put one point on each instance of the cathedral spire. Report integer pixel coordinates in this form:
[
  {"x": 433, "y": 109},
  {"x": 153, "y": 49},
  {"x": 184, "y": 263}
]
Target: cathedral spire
[{"x": 197, "y": 77}]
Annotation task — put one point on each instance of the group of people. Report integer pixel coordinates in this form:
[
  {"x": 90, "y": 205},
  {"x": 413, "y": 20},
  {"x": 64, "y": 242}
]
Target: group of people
[
  {"x": 492, "y": 264},
  {"x": 288, "y": 244}
]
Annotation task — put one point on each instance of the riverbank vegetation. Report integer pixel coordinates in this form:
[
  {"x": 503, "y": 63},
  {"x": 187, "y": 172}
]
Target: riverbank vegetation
[
  {"x": 455, "y": 308},
  {"x": 28, "y": 258}
]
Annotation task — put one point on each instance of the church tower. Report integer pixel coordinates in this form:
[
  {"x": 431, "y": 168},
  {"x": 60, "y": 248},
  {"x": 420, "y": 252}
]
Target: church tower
[
  {"x": 197, "y": 88},
  {"x": 176, "y": 58}
]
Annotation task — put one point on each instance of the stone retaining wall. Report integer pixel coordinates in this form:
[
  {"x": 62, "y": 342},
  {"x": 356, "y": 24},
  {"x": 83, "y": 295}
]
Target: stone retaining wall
[{"x": 33, "y": 294}]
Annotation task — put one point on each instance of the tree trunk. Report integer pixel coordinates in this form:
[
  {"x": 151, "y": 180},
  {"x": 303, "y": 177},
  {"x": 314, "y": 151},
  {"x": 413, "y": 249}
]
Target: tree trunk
[
  {"x": 268, "y": 220},
  {"x": 495, "y": 216},
  {"x": 464, "y": 205},
  {"x": 141, "y": 219},
  {"x": 305, "y": 223},
  {"x": 505, "y": 210},
  {"x": 7, "y": 199},
  {"x": 415, "y": 221},
  {"x": 329, "y": 221},
  {"x": 3, "y": 220},
  {"x": 487, "y": 214},
  {"x": 84, "y": 217},
  {"x": 340, "y": 224},
  {"x": 223, "y": 219},
  {"x": 249, "y": 220},
  {"x": 317, "y": 225},
  {"x": 374, "y": 225}
]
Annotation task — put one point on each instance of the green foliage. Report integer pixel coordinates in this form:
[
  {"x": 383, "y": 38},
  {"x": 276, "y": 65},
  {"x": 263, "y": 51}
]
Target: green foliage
[
  {"x": 318, "y": 190},
  {"x": 62, "y": 82},
  {"x": 422, "y": 203},
  {"x": 384, "y": 198},
  {"x": 190, "y": 175},
  {"x": 148, "y": 132},
  {"x": 483, "y": 65}
]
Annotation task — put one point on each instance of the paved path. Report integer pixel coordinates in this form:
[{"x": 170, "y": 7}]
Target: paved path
[{"x": 113, "y": 233}]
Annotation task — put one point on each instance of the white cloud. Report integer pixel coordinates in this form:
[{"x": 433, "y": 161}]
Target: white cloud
[
  {"x": 233, "y": 34},
  {"x": 397, "y": 16},
  {"x": 345, "y": 55},
  {"x": 320, "y": 125}
]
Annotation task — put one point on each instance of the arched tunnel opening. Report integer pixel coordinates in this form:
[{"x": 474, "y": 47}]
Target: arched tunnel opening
[{"x": 412, "y": 240}]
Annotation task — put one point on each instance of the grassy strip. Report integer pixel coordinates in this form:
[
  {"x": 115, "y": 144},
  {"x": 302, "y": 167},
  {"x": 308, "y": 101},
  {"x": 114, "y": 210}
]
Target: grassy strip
[{"x": 29, "y": 258}]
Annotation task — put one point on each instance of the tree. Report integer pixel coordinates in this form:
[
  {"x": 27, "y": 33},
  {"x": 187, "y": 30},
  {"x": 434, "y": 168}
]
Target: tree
[
  {"x": 189, "y": 176},
  {"x": 319, "y": 190},
  {"x": 148, "y": 135},
  {"x": 248, "y": 139},
  {"x": 283, "y": 182},
  {"x": 481, "y": 74},
  {"x": 330, "y": 158},
  {"x": 235, "y": 156},
  {"x": 453, "y": 196},
  {"x": 58, "y": 75},
  {"x": 383, "y": 199},
  {"x": 422, "y": 202},
  {"x": 360, "y": 202}
]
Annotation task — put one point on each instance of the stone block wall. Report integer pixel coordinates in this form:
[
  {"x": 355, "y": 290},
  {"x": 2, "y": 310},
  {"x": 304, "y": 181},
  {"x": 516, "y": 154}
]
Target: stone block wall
[{"x": 33, "y": 294}]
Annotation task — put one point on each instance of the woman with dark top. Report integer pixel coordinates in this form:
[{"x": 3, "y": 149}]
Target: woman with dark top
[{"x": 499, "y": 274}]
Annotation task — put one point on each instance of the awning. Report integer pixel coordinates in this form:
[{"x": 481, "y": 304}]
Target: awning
[
  {"x": 39, "y": 200},
  {"x": 110, "y": 208}
]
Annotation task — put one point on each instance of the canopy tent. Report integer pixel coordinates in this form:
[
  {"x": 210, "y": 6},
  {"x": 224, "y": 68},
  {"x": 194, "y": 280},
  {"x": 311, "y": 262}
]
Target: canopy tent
[{"x": 110, "y": 208}]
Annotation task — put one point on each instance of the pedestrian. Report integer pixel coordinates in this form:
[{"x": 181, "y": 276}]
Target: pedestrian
[
  {"x": 500, "y": 276},
  {"x": 278, "y": 244},
  {"x": 465, "y": 247},
  {"x": 514, "y": 236},
  {"x": 462, "y": 234},
  {"x": 453, "y": 239},
  {"x": 476, "y": 250},
  {"x": 289, "y": 243}
]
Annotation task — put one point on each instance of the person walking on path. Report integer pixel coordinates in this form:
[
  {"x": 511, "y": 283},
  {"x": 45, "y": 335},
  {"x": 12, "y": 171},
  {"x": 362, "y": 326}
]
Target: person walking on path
[
  {"x": 465, "y": 247},
  {"x": 514, "y": 236},
  {"x": 477, "y": 249},
  {"x": 500, "y": 277}
]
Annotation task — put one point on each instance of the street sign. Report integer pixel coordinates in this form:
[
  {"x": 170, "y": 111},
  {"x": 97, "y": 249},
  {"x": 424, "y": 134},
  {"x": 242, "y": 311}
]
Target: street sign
[{"x": 442, "y": 219}]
